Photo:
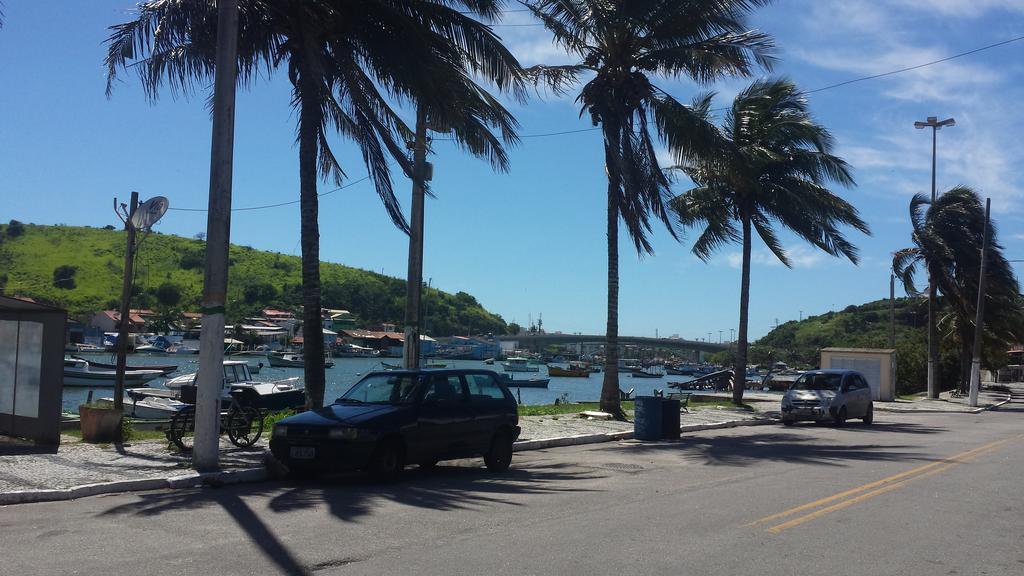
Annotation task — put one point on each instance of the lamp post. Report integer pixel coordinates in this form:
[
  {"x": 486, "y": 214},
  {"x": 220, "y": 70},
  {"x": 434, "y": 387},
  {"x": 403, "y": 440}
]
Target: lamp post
[{"x": 933, "y": 337}]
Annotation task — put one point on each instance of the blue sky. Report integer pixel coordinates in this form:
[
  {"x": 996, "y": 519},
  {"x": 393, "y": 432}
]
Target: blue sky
[{"x": 532, "y": 241}]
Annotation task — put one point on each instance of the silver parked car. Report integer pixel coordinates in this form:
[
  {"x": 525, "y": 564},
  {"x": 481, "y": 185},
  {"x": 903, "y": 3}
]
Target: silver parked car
[{"x": 828, "y": 395}]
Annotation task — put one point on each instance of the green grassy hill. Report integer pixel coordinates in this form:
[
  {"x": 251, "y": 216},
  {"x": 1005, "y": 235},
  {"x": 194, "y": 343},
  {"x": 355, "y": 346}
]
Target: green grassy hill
[
  {"x": 31, "y": 257},
  {"x": 864, "y": 326}
]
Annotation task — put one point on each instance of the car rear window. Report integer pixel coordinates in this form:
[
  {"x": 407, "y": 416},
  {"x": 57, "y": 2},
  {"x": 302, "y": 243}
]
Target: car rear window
[{"x": 484, "y": 386}]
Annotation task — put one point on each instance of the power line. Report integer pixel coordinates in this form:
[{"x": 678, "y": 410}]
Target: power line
[{"x": 279, "y": 204}]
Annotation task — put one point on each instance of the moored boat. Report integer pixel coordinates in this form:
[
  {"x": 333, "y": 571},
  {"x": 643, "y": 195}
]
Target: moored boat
[
  {"x": 519, "y": 364},
  {"x": 292, "y": 360},
  {"x": 524, "y": 383},
  {"x": 575, "y": 370},
  {"x": 238, "y": 382},
  {"x": 79, "y": 372}
]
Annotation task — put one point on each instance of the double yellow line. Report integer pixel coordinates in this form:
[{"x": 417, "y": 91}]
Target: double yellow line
[{"x": 859, "y": 494}]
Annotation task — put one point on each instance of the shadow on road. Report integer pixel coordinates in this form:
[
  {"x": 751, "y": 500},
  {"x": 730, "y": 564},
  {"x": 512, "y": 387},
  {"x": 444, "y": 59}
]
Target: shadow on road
[
  {"x": 783, "y": 446},
  {"x": 351, "y": 497}
]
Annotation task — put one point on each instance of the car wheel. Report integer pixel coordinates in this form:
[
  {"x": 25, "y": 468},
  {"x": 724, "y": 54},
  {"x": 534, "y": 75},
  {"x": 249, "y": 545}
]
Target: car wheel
[
  {"x": 428, "y": 465},
  {"x": 386, "y": 463},
  {"x": 499, "y": 457},
  {"x": 841, "y": 417},
  {"x": 869, "y": 416},
  {"x": 788, "y": 421}
]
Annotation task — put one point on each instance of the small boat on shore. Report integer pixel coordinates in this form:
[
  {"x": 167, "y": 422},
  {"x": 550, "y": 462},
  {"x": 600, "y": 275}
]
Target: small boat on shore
[
  {"x": 79, "y": 372},
  {"x": 525, "y": 383},
  {"x": 276, "y": 395}
]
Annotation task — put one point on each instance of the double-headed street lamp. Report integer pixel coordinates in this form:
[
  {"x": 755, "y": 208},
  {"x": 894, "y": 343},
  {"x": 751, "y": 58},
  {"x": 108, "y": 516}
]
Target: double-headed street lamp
[{"x": 933, "y": 338}]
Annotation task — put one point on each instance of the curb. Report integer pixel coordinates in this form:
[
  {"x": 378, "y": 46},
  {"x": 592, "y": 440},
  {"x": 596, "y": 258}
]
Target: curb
[
  {"x": 137, "y": 485},
  {"x": 580, "y": 439}
]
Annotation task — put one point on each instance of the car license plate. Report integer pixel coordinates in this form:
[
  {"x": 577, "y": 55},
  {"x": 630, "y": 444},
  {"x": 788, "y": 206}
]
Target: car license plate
[{"x": 303, "y": 452}]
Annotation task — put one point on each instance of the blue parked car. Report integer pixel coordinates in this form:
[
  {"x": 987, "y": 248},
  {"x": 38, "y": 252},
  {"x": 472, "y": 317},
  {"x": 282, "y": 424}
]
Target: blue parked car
[{"x": 398, "y": 417}]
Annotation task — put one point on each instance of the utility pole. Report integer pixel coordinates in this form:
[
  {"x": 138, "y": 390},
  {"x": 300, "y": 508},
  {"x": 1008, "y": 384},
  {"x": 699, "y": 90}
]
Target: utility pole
[
  {"x": 892, "y": 310},
  {"x": 210, "y": 380},
  {"x": 979, "y": 322},
  {"x": 414, "y": 277},
  {"x": 933, "y": 333},
  {"x": 126, "y": 300}
]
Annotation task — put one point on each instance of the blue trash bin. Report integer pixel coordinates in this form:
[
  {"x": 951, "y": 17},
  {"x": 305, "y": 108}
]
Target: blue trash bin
[{"x": 647, "y": 418}]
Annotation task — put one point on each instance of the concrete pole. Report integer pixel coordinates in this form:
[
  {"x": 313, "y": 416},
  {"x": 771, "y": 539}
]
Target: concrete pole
[
  {"x": 979, "y": 322},
  {"x": 933, "y": 334},
  {"x": 892, "y": 311},
  {"x": 414, "y": 278},
  {"x": 206, "y": 451},
  {"x": 126, "y": 300}
]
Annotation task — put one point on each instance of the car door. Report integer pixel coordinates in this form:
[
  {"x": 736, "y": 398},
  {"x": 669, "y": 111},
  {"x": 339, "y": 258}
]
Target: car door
[
  {"x": 444, "y": 419},
  {"x": 855, "y": 405},
  {"x": 490, "y": 408},
  {"x": 865, "y": 394}
]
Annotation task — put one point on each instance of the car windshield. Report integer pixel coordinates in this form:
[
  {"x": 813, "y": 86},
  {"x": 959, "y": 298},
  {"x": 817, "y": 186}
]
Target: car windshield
[
  {"x": 818, "y": 382},
  {"x": 383, "y": 389}
]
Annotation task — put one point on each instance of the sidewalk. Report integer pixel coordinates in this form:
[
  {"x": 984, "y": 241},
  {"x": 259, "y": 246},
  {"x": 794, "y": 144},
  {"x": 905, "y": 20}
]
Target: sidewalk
[
  {"x": 78, "y": 469},
  {"x": 946, "y": 402}
]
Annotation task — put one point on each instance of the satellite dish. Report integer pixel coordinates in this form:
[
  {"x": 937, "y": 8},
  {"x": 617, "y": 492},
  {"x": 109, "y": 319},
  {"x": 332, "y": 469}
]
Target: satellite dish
[{"x": 149, "y": 212}]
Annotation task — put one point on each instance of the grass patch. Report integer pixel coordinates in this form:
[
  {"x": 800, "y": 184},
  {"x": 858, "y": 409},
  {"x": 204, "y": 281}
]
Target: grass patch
[
  {"x": 566, "y": 408},
  {"x": 910, "y": 397}
]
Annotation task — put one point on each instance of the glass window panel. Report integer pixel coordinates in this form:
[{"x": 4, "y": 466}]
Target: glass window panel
[
  {"x": 30, "y": 362},
  {"x": 8, "y": 353}
]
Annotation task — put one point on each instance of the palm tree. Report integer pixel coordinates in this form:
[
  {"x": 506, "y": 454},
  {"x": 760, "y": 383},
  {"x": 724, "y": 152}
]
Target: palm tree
[
  {"x": 348, "y": 73},
  {"x": 769, "y": 166},
  {"x": 947, "y": 238},
  {"x": 622, "y": 44}
]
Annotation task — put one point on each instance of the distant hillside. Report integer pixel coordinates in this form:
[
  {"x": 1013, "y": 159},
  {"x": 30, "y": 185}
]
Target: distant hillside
[
  {"x": 864, "y": 326},
  {"x": 80, "y": 269}
]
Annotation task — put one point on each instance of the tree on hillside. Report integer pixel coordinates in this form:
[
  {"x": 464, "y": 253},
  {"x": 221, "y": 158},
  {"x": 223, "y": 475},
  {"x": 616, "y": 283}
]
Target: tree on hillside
[
  {"x": 947, "y": 237},
  {"x": 768, "y": 167},
  {"x": 623, "y": 45},
  {"x": 64, "y": 277},
  {"x": 348, "y": 63},
  {"x": 15, "y": 229},
  {"x": 168, "y": 294}
]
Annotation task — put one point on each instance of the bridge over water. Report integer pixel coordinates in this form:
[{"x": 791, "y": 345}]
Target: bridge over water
[{"x": 537, "y": 342}]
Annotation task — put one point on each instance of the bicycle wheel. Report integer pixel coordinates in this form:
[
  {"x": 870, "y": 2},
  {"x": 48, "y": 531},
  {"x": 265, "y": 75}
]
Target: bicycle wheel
[
  {"x": 245, "y": 426},
  {"x": 182, "y": 429}
]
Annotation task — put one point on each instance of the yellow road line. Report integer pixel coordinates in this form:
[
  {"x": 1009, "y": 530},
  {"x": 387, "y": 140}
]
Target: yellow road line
[
  {"x": 875, "y": 484},
  {"x": 889, "y": 487}
]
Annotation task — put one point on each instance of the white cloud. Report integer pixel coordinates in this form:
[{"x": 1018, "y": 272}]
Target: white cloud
[{"x": 800, "y": 256}]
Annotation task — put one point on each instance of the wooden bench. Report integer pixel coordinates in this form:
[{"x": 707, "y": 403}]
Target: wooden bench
[{"x": 683, "y": 397}]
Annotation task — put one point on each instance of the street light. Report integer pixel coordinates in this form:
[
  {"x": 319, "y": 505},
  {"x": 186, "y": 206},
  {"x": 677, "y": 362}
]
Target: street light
[{"x": 933, "y": 337}]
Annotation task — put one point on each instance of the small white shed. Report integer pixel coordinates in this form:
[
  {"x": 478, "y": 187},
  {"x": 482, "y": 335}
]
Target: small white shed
[{"x": 878, "y": 365}]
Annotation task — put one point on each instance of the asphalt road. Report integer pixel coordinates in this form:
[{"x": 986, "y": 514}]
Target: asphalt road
[{"x": 928, "y": 494}]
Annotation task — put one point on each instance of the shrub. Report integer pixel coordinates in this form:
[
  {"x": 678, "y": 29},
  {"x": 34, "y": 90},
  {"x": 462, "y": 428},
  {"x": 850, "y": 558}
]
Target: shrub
[
  {"x": 64, "y": 277},
  {"x": 15, "y": 229}
]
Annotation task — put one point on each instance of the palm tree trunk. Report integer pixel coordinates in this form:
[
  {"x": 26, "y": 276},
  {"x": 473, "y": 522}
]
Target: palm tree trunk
[
  {"x": 610, "y": 401},
  {"x": 310, "y": 121},
  {"x": 739, "y": 379}
]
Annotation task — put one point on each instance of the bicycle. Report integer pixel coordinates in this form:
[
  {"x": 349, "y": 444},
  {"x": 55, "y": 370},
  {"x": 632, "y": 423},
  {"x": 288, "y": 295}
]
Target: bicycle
[{"x": 242, "y": 422}]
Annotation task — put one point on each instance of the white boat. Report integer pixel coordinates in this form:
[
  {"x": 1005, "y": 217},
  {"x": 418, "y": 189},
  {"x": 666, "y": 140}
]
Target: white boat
[
  {"x": 519, "y": 364},
  {"x": 353, "y": 351},
  {"x": 146, "y": 407},
  {"x": 78, "y": 372},
  {"x": 292, "y": 360}
]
